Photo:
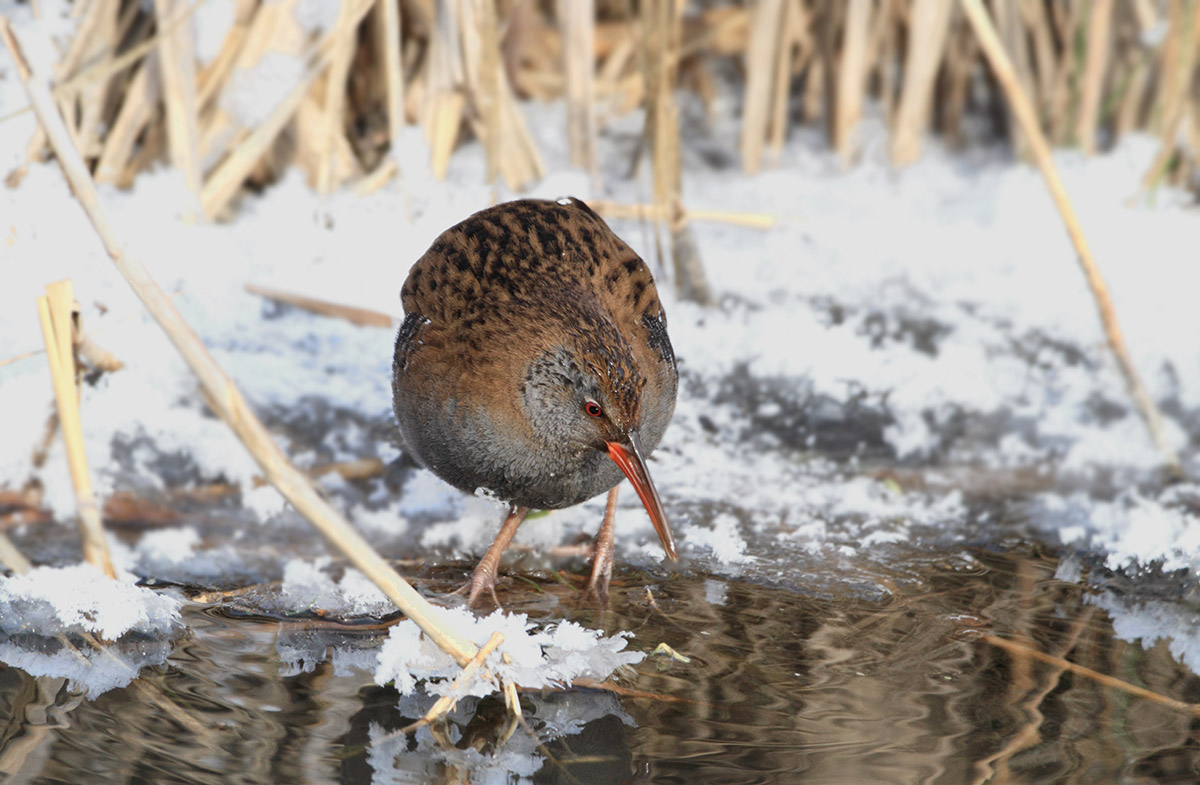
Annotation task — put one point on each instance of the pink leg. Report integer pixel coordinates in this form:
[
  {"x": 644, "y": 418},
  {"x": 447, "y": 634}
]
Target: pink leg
[
  {"x": 602, "y": 560},
  {"x": 484, "y": 577}
]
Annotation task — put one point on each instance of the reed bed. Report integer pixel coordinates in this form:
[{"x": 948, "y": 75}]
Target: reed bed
[{"x": 135, "y": 94}]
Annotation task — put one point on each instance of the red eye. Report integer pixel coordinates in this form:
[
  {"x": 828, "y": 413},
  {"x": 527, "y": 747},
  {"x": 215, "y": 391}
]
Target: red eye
[{"x": 593, "y": 409}]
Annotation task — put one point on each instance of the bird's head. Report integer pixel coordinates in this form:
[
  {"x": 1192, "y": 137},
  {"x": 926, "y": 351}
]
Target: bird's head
[{"x": 586, "y": 397}]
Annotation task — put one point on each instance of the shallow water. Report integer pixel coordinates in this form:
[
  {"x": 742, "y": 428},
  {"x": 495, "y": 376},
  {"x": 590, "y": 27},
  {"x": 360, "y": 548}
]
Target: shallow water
[{"x": 780, "y": 687}]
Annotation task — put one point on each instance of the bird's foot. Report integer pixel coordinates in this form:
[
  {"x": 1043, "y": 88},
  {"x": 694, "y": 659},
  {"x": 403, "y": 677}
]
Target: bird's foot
[
  {"x": 482, "y": 580},
  {"x": 597, "y": 585},
  {"x": 602, "y": 555},
  {"x": 484, "y": 577}
]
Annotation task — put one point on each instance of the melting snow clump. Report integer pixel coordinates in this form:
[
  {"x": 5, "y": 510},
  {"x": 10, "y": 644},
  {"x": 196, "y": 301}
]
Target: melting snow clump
[
  {"x": 548, "y": 657},
  {"x": 52, "y": 619}
]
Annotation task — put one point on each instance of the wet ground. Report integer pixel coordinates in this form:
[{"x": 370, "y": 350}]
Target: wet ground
[{"x": 973, "y": 666}]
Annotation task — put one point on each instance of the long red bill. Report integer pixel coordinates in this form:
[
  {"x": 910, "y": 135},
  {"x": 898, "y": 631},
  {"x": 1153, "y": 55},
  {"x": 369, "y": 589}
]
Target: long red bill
[{"x": 629, "y": 458}]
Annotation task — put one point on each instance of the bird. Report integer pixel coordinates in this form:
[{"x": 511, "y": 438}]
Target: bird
[{"x": 533, "y": 365}]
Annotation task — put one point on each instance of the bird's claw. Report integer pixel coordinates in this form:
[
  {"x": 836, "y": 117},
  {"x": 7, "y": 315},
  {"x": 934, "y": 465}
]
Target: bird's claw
[
  {"x": 481, "y": 581},
  {"x": 597, "y": 585}
]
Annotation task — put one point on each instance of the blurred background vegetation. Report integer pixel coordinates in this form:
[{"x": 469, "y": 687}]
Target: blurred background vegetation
[{"x": 349, "y": 79}]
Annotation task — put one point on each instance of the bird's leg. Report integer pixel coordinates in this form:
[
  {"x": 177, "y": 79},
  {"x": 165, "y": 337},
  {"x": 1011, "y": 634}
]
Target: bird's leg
[
  {"x": 484, "y": 577},
  {"x": 602, "y": 555}
]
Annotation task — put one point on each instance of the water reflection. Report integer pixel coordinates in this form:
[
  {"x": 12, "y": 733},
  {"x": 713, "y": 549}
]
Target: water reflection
[{"x": 971, "y": 671}]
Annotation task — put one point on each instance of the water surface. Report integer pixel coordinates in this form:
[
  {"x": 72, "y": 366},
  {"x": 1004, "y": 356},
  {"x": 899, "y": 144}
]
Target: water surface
[{"x": 969, "y": 669}]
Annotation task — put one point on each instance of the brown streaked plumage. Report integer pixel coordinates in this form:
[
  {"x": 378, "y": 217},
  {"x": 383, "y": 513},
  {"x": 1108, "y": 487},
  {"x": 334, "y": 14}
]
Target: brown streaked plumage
[{"x": 534, "y": 362}]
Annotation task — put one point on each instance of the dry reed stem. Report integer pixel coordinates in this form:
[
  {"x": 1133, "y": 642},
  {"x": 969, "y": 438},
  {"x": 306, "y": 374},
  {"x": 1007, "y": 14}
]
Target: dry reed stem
[
  {"x": 762, "y": 55},
  {"x": 373, "y": 181},
  {"x": 851, "y": 78},
  {"x": 1129, "y": 112},
  {"x": 446, "y": 702},
  {"x": 653, "y": 212},
  {"x": 92, "y": 98},
  {"x": 929, "y": 25},
  {"x": 1015, "y": 648},
  {"x": 12, "y": 558},
  {"x": 1168, "y": 66},
  {"x": 109, "y": 67},
  {"x": 363, "y": 317},
  {"x": 1063, "y": 100},
  {"x": 213, "y": 77},
  {"x": 1041, "y": 52},
  {"x": 1094, "y": 70},
  {"x": 578, "y": 21},
  {"x": 315, "y": 150},
  {"x": 442, "y": 103},
  {"x": 141, "y": 100},
  {"x": 881, "y": 56},
  {"x": 221, "y": 392},
  {"x": 89, "y": 42},
  {"x": 177, "y": 61},
  {"x": 1176, "y": 99},
  {"x": 225, "y": 182},
  {"x": 335, "y": 102},
  {"x": 961, "y": 59},
  {"x": 1023, "y": 109},
  {"x": 97, "y": 356},
  {"x": 362, "y": 469},
  {"x": 54, "y": 312},
  {"x": 85, "y": 339},
  {"x": 793, "y": 33},
  {"x": 481, "y": 62},
  {"x": 1012, "y": 26},
  {"x": 389, "y": 39},
  {"x": 520, "y": 145},
  {"x": 227, "y": 179},
  {"x": 447, "y": 118}
]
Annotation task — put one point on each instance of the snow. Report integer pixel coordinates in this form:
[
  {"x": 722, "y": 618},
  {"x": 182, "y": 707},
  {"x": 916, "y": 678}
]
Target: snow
[
  {"x": 1131, "y": 530},
  {"x": 53, "y": 619},
  {"x": 722, "y": 539},
  {"x": 931, "y": 318},
  {"x": 550, "y": 656},
  {"x": 306, "y": 585}
]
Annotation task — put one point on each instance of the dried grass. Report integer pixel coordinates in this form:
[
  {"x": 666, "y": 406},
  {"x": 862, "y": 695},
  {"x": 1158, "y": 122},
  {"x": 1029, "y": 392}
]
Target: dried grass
[{"x": 134, "y": 94}]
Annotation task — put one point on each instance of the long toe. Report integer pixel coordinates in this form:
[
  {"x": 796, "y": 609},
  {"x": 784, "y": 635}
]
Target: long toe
[
  {"x": 482, "y": 580},
  {"x": 602, "y": 553},
  {"x": 597, "y": 585}
]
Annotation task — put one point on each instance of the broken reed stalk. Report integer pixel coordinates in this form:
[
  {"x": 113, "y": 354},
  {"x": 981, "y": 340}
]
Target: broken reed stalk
[
  {"x": 446, "y": 702},
  {"x": 373, "y": 181},
  {"x": 225, "y": 182},
  {"x": 54, "y": 312},
  {"x": 1018, "y": 649},
  {"x": 1026, "y": 117},
  {"x": 654, "y": 212},
  {"x": 363, "y": 317},
  {"x": 12, "y": 558},
  {"x": 221, "y": 392}
]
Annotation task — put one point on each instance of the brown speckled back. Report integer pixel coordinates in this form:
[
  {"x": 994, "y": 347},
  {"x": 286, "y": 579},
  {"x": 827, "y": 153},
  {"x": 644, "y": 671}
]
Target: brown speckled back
[{"x": 488, "y": 303}]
